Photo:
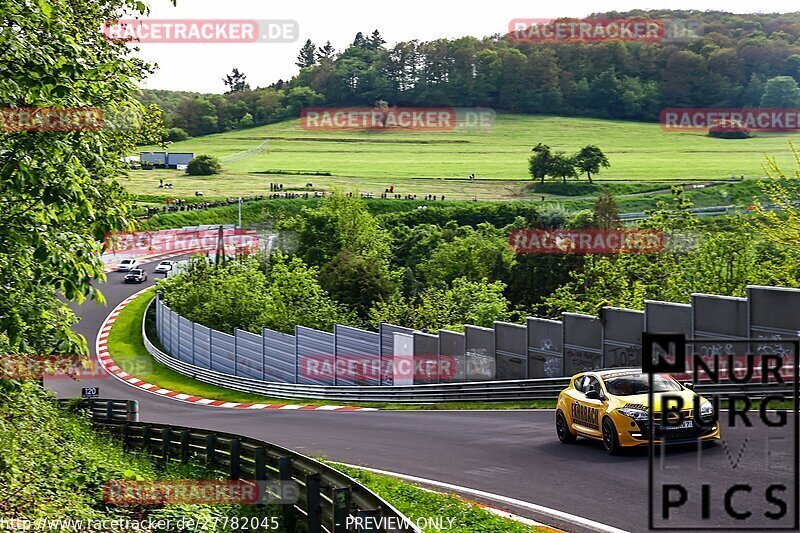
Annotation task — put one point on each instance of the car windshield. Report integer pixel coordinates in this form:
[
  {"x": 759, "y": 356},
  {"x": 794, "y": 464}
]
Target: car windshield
[
  {"x": 629, "y": 384},
  {"x": 166, "y": 263},
  {"x": 135, "y": 272},
  {"x": 126, "y": 261}
]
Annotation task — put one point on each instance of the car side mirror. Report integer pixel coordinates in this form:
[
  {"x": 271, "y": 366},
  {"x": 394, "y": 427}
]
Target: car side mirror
[
  {"x": 593, "y": 394},
  {"x": 688, "y": 385}
]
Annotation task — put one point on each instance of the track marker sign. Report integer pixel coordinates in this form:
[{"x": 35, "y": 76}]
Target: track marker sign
[
  {"x": 90, "y": 392},
  {"x": 748, "y": 480}
]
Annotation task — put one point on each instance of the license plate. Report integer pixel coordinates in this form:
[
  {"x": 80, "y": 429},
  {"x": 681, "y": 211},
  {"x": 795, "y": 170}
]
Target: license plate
[{"x": 684, "y": 425}]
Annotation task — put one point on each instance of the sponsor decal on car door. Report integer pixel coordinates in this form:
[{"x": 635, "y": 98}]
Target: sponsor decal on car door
[{"x": 586, "y": 411}]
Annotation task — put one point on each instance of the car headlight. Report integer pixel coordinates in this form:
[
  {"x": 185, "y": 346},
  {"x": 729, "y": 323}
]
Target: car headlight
[
  {"x": 636, "y": 414},
  {"x": 706, "y": 410}
]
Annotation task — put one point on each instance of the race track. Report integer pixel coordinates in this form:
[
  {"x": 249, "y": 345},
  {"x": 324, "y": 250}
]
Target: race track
[{"x": 511, "y": 453}]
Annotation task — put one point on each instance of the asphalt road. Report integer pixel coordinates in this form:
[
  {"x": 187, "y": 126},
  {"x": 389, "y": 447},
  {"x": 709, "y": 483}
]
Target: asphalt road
[{"x": 511, "y": 453}]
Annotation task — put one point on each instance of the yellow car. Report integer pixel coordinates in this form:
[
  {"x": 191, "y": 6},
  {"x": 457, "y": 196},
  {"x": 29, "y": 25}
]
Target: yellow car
[{"x": 611, "y": 406}]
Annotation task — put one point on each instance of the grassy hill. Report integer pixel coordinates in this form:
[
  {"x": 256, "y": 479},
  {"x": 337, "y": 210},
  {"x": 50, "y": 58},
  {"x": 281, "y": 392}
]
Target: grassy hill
[{"x": 424, "y": 162}]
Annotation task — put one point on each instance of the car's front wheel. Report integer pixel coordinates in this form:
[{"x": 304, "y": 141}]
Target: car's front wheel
[
  {"x": 610, "y": 437},
  {"x": 562, "y": 429}
]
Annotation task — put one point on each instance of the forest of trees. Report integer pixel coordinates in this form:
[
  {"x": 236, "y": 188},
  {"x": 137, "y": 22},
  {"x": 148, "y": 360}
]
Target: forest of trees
[
  {"x": 737, "y": 61},
  {"x": 449, "y": 266}
]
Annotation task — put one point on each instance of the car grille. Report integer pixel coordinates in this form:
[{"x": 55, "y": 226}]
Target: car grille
[{"x": 687, "y": 415}]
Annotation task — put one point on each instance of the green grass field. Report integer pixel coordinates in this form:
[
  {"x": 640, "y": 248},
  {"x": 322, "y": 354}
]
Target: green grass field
[{"x": 418, "y": 162}]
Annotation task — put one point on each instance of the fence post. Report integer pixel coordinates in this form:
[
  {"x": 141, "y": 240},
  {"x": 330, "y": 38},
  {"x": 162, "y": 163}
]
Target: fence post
[
  {"x": 126, "y": 436},
  {"x": 341, "y": 509},
  {"x": 235, "y": 355},
  {"x": 211, "y": 450},
  {"x": 185, "y": 449},
  {"x": 313, "y": 509},
  {"x": 289, "y": 514},
  {"x": 146, "y": 433},
  {"x": 110, "y": 410},
  {"x": 166, "y": 437},
  {"x": 235, "y": 458},
  {"x": 133, "y": 411},
  {"x": 261, "y": 464}
]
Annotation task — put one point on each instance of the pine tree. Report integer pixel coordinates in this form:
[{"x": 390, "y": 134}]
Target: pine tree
[
  {"x": 237, "y": 81},
  {"x": 325, "y": 52},
  {"x": 307, "y": 55},
  {"x": 375, "y": 41}
]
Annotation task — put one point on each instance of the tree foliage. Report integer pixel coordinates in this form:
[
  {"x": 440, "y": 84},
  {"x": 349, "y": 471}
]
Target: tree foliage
[
  {"x": 241, "y": 295},
  {"x": 590, "y": 159},
  {"x": 781, "y": 92},
  {"x": 203, "y": 165},
  {"x": 308, "y": 55},
  {"x": 480, "y": 303},
  {"x": 59, "y": 190},
  {"x": 606, "y": 212},
  {"x": 236, "y": 81},
  {"x": 540, "y": 162},
  {"x": 732, "y": 61}
]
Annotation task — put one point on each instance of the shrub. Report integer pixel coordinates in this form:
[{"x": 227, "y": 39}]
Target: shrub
[
  {"x": 203, "y": 165},
  {"x": 177, "y": 135}
]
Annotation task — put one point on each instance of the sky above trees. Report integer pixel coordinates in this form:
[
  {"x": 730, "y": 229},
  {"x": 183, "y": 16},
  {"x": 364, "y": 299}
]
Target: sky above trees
[{"x": 193, "y": 67}]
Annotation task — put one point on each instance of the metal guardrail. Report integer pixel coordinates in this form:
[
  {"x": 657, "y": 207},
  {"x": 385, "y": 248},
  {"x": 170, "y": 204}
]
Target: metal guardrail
[
  {"x": 106, "y": 409},
  {"x": 326, "y": 496},
  {"x": 481, "y": 391},
  {"x": 326, "y": 499}
]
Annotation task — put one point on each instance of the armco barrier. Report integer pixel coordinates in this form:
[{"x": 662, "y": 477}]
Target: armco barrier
[
  {"x": 326, "y": 499},
  {"x": 105, "y": 409},
  {"x": 480, "y": 391}
]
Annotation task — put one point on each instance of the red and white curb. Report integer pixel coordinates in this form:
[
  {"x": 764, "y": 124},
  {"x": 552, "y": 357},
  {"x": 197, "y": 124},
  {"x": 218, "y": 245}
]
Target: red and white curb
[{"x": 105, "y": 360}]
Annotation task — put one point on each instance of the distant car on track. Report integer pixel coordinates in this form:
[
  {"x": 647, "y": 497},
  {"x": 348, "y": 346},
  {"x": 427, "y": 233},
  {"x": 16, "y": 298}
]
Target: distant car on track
[
  {"x": 136, "y": 276},
  {"x": 126, "y": 265},
  {"x": 612, "y": 406},
  {"x": 164, "y": 267}
]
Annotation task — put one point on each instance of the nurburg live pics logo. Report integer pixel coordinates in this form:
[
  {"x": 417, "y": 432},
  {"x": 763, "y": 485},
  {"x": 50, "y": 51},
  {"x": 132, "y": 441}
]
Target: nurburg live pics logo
[{"x": 750, "y": 480}]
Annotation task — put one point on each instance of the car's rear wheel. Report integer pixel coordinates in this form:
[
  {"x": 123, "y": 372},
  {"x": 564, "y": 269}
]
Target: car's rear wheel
[
  {"x": 562, "y": 429},
  {"x": 610, "y": 437}
]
